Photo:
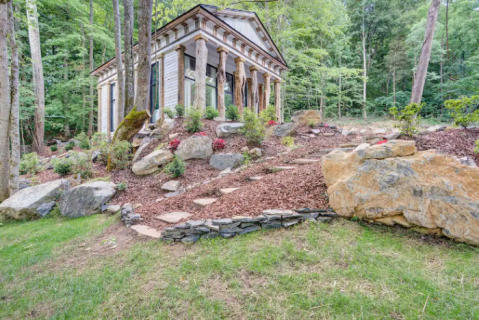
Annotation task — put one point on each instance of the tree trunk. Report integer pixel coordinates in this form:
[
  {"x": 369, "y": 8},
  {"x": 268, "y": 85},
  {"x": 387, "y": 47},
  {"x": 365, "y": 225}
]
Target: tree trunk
[
  {"x": 394, "y": 87},
  {"x": 144, "y": 55},
  {"x": 240, "y": 82},
  {"x": 223, "y": 55},
  {"x": 92, "y": 104},
  {"x": 129, "y": 63},
  {"x": 421, "y": 72},
  {"x": 65, "y": 98},
  {"x": 447, "y": 28},
  {"x": 365, "y": 72},
  {"x": 119, "y": 63},
  {"x": 37, "y": 70}
]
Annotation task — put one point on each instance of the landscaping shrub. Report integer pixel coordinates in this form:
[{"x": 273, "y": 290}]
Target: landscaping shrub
[
  {"x": 180, "y": 110},
  {"x": 29, "y": 163},
  {"x": 408, "y": 118},
  {"x": 63, "y": 166},
  {"x": 268, "y": 114},
  {"x": 272, "y": 123},
  {"x": 288, "y": 142},
  {"x": 170, "y": 113},
  {"x": 120, "y": 154},
  {"x": 122, "y": 186},
  {"x": 211, "y": 113},
  {"x": 54, "y": 148},
  {"x": 464, "y": 111},
  {"x": 312, "y": 123},
  {"x": 219, "y": 144},
  {"x": 247, "y": 158},
  {"x": 70, "y": 146},
  {"x": 253, "y": 128},
  {"x": 175, "y": 168},
  {"x": 99, "y": 138},
  {"x": 81, "y": 164},
  {"x": 174, "y": 144},
  {"x": 193, "y": 123},
  {"x": 232, "y": 113},
  {"x": 84, "y": 142}
]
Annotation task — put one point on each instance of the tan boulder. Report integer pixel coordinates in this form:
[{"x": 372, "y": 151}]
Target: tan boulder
[
  {"x": 305, "y": 116},
  {"x": 392, "y": 183}
]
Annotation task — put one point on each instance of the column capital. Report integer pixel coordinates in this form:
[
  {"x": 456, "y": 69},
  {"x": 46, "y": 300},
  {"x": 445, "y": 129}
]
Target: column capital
[
  {"x": 222, "y": 49},
  {"x": 201, "y": 36},
  {"x": 239, "y": 59},
  {"x": 161, "y": 56},
  {"x": 277, "y": 81},
  {"x": 98, "y": 87},
  {"x": 266, "y": 75},
  {"x": 180, "y": 47},
  {"x": 253, "y": 68}
]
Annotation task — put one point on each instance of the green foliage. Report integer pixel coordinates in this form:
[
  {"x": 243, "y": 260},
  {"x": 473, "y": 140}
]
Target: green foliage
[
  {"x": 70, "y": 145},
  {"x": 54, "y": 148},
  {"x": 246, "y": 158},
  {"x": 29, "y": 163},
  {"x": 211, "y": 113},
  {"x": 122, "y": 186},
  {"x": 232, "y": 113},
  {"x": 193, "y": 123},
  {"x": 288, "y": 142},
  {"x": 170, "y": 113},
  {"x": 63, "y": 166},
  {"x": 408, "y": 118},
  {"x": 253, "y": 128},
  {"x": 99, "y": 138},
  {"x": 312, "y": 123},
  {"x": 268, "y": 114},
  {"x": 120, "y": 154},
  {"x": 76, "y": 163},
  {"x": 180, "y": 110},
  {"x": 176, "y": 167},
  {"x": 464, "y": 111},
  {"x": 476, "y": 150}
]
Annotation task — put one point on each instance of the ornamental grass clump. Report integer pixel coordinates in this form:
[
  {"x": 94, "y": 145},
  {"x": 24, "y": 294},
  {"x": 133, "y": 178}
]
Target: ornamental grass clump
[
  {"x": 408, "y": 118},
  {"x": 253, "y": 128}
]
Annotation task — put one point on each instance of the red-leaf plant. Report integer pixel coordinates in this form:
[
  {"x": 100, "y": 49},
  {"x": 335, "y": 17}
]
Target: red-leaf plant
[
  {"x": 219, "y": 144},
  {"x": 381, "y": 142},
  {"x": 174, "y": 144},
  {"x": 272, "y": 123}
]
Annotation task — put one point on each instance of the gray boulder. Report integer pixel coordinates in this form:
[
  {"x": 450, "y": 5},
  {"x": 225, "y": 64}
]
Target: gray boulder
[
  {"x": 151, "y": 162},
  {"x": 32, "y": 202},
  {"x": 195, "y": 147},
  {"x": 221, "y": 161},
  {"x": 143, "y": 144},
  {"x": 86, "y": 199},
  {"x": 285, "y": 129},
  {"x": 228, "y": 129}
]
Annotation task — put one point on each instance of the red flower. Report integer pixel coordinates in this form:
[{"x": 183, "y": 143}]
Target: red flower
[
  {"x": 381, "y": 142},
  {"x": 201, "y": 134},
  {"x": 174, "y": 144},
  {"x": 219, "y": 144},
  {"x": 326, "y": 125},
  {"x": 272, "y": 123}
]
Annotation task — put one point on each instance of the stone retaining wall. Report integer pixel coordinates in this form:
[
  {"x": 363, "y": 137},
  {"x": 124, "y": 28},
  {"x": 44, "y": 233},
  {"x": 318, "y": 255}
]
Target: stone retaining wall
[{"x": 193, "y": 230}]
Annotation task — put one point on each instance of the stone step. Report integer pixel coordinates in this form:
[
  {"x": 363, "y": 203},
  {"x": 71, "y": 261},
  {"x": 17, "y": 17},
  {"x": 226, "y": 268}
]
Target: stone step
[
  {"x": 228, "y": 190},
  {"x": 256, "y": 178},
  {"x": 204, "y": 202},
  {"x": 305, "y": 161},
  {"x": 282, "y": 168},
  {"x": 146, "y": 231},
  {"x": 173, "y": 217}
]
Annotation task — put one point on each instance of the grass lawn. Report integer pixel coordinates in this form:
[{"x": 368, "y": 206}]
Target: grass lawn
[{"x": 56, "y": 268}]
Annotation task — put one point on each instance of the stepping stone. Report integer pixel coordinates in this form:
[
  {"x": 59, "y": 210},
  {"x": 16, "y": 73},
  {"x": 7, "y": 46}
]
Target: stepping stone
[
  {"x": 328, "y": 134},
  {"x": 146, "y": 231},
  {"x": 282, "y": 168},
  {"x": 305, "y": 161},
  {"x": 173, "y": 217},
  {"x": 312, "y": 136},
  {"x": 225, "y": 172},
  {"x": 204, "y": 202},
  {"x": 315, "y": 131},
  {"x": 172, "y": 186},
  {"x": 257, "y": 178},
  {"x": 227, "y": 190}
]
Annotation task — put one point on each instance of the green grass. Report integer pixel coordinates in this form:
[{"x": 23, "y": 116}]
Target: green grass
[{"x": 62, "y": 269}]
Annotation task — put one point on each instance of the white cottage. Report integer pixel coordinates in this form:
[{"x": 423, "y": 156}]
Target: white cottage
[{"x": 205, "y": 57}]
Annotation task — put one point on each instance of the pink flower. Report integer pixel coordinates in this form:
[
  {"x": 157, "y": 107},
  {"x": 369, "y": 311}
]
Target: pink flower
[{"x": 381, "y": 142}]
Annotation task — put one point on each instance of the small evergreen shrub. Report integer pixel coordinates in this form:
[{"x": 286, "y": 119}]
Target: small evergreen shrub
[
  {"x": 170, "y": 113},
  {"x": 312, "y": 123},
  {"x": 408, "y": 118},
  {"x": 29, "y": 164},
  {"x": 84, "y": 142},
  {"x": 54, "y": 148},
  {"x": 232, "y": 113},
  {"x": 253, "y": 128},
  {"x": 85, "y": 145},
  {"x": 180, "y": 110},
  {"x": 464, "y": 111},
  {"x": 175, "y": 168},
  {"x": 174, "y": 144},
  {"x": 70, "y": 146},
  {"x": 288, "y": 142},
  {"x": 193, "y": 123},
  {"x": 247, "y": 158},
  {"x": 211, "y": 113},
  {"x": 81, "y": 164},
  {"x": 268, "y": 114},
  {"x": 120, "y": 154},
  {"x": 63, "y": 166},
  {"x": 122, "y": 186},
  {"x": 219, "y": 144},
  {"x": 98, "y": 138}
]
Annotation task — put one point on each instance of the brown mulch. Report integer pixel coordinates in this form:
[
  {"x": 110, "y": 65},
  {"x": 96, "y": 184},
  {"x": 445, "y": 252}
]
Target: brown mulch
[{"x": 457, "y": 142}]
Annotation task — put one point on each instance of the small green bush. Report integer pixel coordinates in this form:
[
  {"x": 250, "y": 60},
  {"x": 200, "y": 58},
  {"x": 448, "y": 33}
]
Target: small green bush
[
  {"x": 408, "y": 118},
  {"x": 211, "y": 113},
  {"x": 120, "y": 154},
  {"x": 29, "y": 164},
  {"x": 54, "y": 148},
  {"x": 70, "y": 146},
  {"x": 81, "y": 164},
  {"x": 232, "y": 113},
  {"x": 180, "y": 110},
  {"x": 63, "y": 166},
  {"x": 85, "y": 145},
  {"x": 268, "y": 114},
  {"x": 193, "y": 123},
  {"x": 464, "y": 111},
  {"x": 98, "y": 138},
  {"x": 312, "y": 123},
  {"x": 122, "y": 186},
  {"x": 170, "y": 113},
  {"x": 246, "y": 158},
  {"x": 83, "y": 139},
  {"x": 288, "y": 142},
  {"x": 175, "y": 168},
  {"x": 253, "y": 128}
]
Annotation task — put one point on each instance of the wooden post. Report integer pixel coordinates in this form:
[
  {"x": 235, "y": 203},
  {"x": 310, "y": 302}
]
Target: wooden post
[
  {"x": 248, "y": 98},
  {"x": 223, "y": 53},
  {"x": 267, "y": 89},
  {"x": 261, "y": 99},
  {"x": 181, "y": 74},
  {"x": 240, "y": 81},
  {"x": 99, "y": 109},
  {"x": 277, "y": 98},
  {"x": 254, "y": 88},
  {"x": 161, "y": 67},
  {"x": 200, "y": 81},
  {"x": 108, "y": 102}
]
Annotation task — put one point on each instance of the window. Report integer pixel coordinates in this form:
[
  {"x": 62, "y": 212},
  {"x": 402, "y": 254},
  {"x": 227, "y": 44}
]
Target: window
[
  {"x": 229, "y": 89},
  {"x": 211, "y": 83},
  {"x": 112, "y": 106},
  {"x": 154, "y": 94},
  {"x": 245, "y": 95}
]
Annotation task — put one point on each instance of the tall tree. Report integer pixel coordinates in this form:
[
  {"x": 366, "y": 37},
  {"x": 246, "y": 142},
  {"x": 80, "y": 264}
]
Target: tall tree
[
  {"x": 421, "y": 72},
  {"x": 90, "y": 112},
  {"x": 119, "y": 62},
  {"x": 38, "y": 83},
  {"x": 129, "y": 63},
  {"x": 144, "y": 55}
]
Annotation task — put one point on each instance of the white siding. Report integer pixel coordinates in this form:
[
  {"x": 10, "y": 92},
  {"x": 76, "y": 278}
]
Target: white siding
[
  {"x": 171, "y": 79},
  {"x": 104, "y": 106},
  {"x": 246, "y": 29}
]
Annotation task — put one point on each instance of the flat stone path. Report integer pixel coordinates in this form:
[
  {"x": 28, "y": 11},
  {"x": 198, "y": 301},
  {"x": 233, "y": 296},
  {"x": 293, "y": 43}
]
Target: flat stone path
[
  {"x": 173, "y": 217},
  {"x": 228, "y": 190},
  {"x": 146, "y": 231},
  {"x": 204, "y": 202},
  {"x": 305, "y": 161}
]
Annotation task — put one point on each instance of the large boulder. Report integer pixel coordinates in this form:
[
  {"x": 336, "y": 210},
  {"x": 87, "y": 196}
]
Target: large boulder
[
  {"x": 228, "y": 129},
  {"x": 305, "y": 116},
  {"x": 86, "y": 199},
  {"x": 221, "y": 161},
  {"x": 33, "y": 202},
  {"x": 392, "y": 183},
  {"x": 150, "y": 163},
  {"x": 195, "y": 147},
  {"x": 285, "y": 129}
]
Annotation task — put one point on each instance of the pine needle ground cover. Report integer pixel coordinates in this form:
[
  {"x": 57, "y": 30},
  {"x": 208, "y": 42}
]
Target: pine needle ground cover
[{"x": 92, "y": 268}]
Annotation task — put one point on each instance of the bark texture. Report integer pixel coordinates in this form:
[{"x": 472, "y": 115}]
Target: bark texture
[
  {"x": 267, "y": 89},
  {"x": 181, "y": 70},
  {"x": 90, "y": 112},
  {"x": 254, "y": 88},
  {"x": 37, "y": 70},
  {"x": 240, "y": 82},
  {"x": 223, "y": 53},
  {"x": 129, "y": 71},
  {"x": 277, "y": 98},
  {"x": 260, "y": 96},
  {"x": 200, "y": 81},
  {"x": 249, "y": 95},
  {"x": 119, "y": 64},
  {"x": 144, "y": 55},
  {"x": 421, "y": 72}
]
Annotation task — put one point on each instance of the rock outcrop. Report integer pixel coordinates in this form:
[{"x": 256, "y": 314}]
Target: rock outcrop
[
  {"x": 228, "y": 129},
  {"x": 195, "y": 147},
  {"x": 33, "y": 202},
  {"x": 86, "y": 199},
  {"x": 305, "y": 116},
  {"x": 285, "y": 129},
  {"x": 150, "y": 163},
  {"x": 221, "y": 161},
  {"x": 392, "y": 183}
]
